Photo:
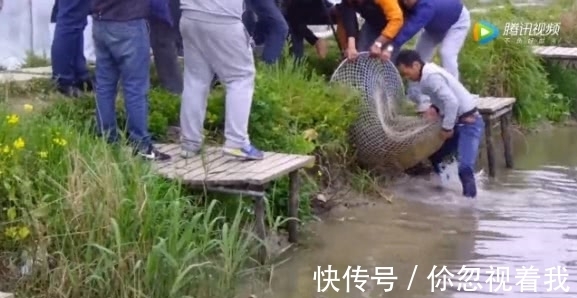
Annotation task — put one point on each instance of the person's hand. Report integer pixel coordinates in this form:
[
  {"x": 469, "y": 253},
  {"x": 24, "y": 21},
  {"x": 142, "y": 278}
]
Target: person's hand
[
  {"x": 352, "y": 53},
  {"x": 446, "y": 134},
  {"x": 431, "y": 114},
  {"x": 321, "y": 47},
  {"x": 375, "y": 51},
  {"x": 385, "y": 55}
]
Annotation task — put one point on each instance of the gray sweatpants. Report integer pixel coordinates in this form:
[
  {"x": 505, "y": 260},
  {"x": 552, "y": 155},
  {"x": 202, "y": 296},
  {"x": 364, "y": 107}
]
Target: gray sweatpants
[
  {"x": 224, "y": 50},
  {"x": 451, "y": 45}
]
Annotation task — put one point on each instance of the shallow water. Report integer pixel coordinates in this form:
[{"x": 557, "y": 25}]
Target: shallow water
[{"x": 525, "y": 217}]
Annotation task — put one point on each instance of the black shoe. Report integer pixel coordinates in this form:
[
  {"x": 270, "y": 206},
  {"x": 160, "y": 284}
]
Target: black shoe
[
  {"x": 69, "y": 91},
  {"x": 86, "y": 85},
  {"x": 152, "y": 154}
]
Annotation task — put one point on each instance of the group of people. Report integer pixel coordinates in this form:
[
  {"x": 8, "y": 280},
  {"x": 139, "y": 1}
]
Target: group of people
[{"x": 217, "y": 41}]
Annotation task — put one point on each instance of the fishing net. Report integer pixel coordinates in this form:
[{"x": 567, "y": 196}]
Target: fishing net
[{"x": 385, "y": 136}]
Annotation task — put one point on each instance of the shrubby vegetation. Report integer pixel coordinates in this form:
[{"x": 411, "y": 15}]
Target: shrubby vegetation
[{"x": 99, "y": 222}]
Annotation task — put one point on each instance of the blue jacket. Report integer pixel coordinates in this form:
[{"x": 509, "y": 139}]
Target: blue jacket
[
  {"x": 160, "y": 10},
  {"x": 436, "y": 16}
]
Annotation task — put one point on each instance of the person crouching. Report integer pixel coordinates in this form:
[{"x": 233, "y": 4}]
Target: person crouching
[{"x": 462, "y": 125}]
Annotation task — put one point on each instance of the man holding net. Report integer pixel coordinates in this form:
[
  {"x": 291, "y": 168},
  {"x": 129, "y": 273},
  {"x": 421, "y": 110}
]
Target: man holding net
[{"x": 462, "y": 125}]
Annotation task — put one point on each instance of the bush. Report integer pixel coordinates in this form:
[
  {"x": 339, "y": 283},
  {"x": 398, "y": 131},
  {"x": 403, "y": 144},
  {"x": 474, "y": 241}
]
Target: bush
[
  {"x": 98, "y": 223},
  {"x": 508, "y": 68}
]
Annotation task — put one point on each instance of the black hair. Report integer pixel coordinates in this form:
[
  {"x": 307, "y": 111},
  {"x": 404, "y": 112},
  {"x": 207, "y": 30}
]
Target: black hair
[{"x": 408, "y": 57}]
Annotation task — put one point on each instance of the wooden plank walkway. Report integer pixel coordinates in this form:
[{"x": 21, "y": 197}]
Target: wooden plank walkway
[
  {"x": 552, "y": 52},
  {"x": 214, "y": 171},
  {"x": 493, "y": 106},
  {"x": 499, "y": 108}
]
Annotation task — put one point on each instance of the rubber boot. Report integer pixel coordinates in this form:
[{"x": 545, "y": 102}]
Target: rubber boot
[{"x": 467, "y": 178}]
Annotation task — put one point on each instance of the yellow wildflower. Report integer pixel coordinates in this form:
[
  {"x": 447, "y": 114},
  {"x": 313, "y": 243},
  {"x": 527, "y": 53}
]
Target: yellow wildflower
[
  {"x": 23, "y": 232},
  {"x": 17, "y": 233},
  {"x": 12, "y": 119},
  {"x": 43, "y": 154},
  {"x": 11, "y": 232},
  {"x": 28, "y": 107},
  {"x": 6, "y": 149},
  {"x": 19, "y": 143},
  {"x": 60, "y": 141}
]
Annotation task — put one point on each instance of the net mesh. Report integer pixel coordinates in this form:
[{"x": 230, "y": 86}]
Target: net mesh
[{"x": 386, "y": 138}]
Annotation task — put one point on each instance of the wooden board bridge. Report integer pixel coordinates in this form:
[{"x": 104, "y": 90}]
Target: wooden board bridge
[{"x": 214, "y": 171}]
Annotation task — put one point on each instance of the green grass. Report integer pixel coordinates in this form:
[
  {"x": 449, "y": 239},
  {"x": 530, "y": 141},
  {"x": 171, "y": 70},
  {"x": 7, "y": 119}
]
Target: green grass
[{"x": 100, "y": 223}]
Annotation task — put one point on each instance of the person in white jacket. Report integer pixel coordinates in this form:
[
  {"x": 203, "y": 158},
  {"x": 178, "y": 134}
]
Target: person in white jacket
[{"x": 462, "y": 125}]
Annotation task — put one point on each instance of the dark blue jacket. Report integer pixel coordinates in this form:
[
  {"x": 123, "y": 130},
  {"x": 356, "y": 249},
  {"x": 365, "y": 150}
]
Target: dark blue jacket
[
  {"x": 160, "y": 10},
  {"x": 436, "y": 16},
  {"x": 120, "y": 10}
]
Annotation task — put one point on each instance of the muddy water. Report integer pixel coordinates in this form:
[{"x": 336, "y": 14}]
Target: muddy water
[{"x": 526, "y": 218}]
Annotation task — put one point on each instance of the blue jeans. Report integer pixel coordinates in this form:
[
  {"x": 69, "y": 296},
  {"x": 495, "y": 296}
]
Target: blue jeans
[
  {"x": 122, "y": 54},
  {"x": 465, "y": 142},
  {"x": 270, "y": 28},
  {"x": 67, "y": 52}
]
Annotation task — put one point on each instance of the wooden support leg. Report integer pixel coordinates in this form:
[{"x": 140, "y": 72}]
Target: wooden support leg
[
  {"x": 259, "y": 210},
  {"x": 490, "y": 148},
  {"x": 506, "y": 135},
  {"x": 293, "y": 206}
]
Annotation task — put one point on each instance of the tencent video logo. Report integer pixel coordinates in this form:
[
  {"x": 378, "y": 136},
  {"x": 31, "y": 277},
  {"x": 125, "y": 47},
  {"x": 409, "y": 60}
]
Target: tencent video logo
[{"x": 484, "y": 32}]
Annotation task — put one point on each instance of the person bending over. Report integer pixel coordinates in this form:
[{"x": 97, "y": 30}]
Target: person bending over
[
  {"x": 216, "y": 42},
  {"x": 300, "y": 14},
  {"x": 383, "y": 20},
  {"x": 270, "y": 29},
  {"x": 462, "y": 125},
  {"x": 445, "y": 22},
  {"x": 122, "y": 44}
]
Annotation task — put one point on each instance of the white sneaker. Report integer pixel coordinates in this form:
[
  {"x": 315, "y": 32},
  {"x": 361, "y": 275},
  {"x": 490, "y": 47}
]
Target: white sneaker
[{"x": 437, "y": 181}]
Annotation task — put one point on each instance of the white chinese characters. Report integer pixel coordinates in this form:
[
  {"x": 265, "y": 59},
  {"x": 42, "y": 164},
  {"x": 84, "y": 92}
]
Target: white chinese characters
[{"x": 466, "y": 279}]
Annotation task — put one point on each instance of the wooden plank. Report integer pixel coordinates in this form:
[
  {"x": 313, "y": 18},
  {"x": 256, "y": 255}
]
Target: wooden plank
[
  {"x": 298, "y": 162},
  {"x": 257, "y": 169},
  {"x": 177, "y": 160},
  {"x": 552, "y": 52},
  {"x": 489, "y": 105},
  {"x": 202, "y": 176},
  {"x": 265, "y": 173},
  {"x": 211, "y": 157},
  {"x": 6, "y": 295},
  {"x": 245, "y": 167},
  {"x": 217, "y": 169}
]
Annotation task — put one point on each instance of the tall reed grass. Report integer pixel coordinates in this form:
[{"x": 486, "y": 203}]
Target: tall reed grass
[{"x": 84, "y": 219}]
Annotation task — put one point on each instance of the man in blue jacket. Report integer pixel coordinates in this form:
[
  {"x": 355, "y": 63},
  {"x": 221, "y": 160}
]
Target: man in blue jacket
[
  {"x": 122, "y": 45},
  {"x": 445, "y": 23}
]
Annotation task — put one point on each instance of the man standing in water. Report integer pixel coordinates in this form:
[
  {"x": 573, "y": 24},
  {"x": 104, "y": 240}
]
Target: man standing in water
[
  {"x": 216, "y": 42},
  {"x": 462, "y": 125}
]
